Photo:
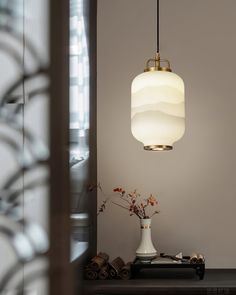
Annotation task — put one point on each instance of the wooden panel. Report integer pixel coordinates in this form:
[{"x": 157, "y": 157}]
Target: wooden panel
[
  {"x": 60, "y": 268},
  {"x": 93, "y": 124}
]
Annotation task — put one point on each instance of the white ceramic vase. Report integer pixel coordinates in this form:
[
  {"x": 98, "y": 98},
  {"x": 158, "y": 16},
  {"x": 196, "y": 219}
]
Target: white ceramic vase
[{"x": 146, "y": 250}]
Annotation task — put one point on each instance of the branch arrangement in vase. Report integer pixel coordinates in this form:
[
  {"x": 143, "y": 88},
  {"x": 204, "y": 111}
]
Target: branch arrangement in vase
[{"x": 133, "y": 202}]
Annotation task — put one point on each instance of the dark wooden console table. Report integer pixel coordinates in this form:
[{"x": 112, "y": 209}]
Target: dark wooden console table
[
  {"x": 215, "y": 282},
  {"x": 137, "y": 267}
]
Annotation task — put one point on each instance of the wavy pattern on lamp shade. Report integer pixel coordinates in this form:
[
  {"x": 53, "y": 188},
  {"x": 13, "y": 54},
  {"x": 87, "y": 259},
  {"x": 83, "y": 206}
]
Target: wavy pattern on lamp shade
[{"x": 157, "y": 108}]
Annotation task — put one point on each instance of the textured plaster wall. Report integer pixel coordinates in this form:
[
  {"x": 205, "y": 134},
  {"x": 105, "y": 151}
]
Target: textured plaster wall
[{"x": 196, "y": 182}]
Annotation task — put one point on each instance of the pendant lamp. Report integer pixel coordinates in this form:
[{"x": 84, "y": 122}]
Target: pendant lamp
[{"x": 157, "y": 104}]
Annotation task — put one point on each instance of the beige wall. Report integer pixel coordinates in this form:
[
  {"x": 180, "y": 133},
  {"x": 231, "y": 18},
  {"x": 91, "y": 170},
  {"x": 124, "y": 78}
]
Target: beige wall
[{"x": 196, "y": 182}]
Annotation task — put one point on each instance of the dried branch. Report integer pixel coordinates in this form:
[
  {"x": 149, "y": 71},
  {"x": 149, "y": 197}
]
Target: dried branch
[{"x": 135, "y": 205}]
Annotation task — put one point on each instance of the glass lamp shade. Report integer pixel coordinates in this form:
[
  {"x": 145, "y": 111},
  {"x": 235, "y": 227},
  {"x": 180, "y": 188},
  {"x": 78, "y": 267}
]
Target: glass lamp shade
[{"x": 157, "y": 109}]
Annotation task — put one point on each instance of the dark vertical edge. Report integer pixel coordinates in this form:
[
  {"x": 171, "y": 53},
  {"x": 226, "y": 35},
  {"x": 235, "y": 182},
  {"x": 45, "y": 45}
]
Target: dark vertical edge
[
  {"x": 60, "y": 269},
  {"x": 93, "y": 124},
  {"x": 158, "y": 25}
]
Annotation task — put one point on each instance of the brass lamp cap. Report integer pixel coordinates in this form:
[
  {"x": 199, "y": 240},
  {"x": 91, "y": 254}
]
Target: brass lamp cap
[
  {"x": 153, "y": 69},
  {"x": 158, "y": 147},
  {"x": 157, "y": 64}
]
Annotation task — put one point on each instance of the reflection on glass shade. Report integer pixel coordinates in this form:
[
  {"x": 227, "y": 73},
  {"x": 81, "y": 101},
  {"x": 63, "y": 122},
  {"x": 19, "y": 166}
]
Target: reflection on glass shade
[{"x": 157, "y": 109}]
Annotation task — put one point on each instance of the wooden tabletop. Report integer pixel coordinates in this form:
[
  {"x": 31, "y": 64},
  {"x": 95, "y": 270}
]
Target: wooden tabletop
[{"x": 217, "y": 281}]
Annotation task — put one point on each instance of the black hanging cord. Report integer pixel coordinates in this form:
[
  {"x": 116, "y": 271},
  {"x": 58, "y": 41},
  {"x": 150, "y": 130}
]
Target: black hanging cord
[{"x": 158, "y": 26}]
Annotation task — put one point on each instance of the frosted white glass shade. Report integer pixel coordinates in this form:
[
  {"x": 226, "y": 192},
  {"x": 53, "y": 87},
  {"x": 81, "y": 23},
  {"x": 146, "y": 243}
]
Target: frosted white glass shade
[{"x": 157, "y": 109}]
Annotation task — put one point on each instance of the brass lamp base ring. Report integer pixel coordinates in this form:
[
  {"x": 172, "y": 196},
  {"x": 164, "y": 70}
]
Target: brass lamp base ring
[{"x": 158, "y": 147}]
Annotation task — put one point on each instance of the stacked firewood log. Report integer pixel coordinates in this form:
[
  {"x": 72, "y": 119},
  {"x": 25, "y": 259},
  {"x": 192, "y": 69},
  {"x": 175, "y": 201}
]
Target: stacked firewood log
[
  {"x": 197, "y": 258},
  {"x": 100, "y": 268}
]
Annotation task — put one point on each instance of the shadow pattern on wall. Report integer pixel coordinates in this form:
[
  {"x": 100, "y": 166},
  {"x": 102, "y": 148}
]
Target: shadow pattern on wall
[{"x": 28, "y": 240}]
